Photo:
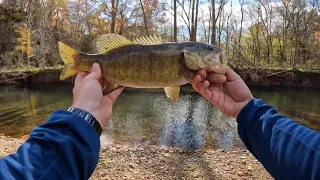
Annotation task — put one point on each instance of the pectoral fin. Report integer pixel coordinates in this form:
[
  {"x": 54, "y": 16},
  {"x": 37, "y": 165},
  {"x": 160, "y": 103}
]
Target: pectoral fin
[
  {"x": 173, "y": 93},
  {"x": 110, "y": 86}
]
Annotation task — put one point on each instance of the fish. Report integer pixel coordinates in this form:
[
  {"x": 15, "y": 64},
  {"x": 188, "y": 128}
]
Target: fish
[{"x": 145, "y": 62}]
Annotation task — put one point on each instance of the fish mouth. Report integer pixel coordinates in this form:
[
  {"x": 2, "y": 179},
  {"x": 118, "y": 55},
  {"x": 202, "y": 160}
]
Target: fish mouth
[
  {"x": 213, "y": 58},
  {"x": 223, "y": 57}
]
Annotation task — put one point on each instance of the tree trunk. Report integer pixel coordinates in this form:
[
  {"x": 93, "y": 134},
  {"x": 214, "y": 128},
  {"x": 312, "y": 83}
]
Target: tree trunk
[
  {"x": 196, "y": 22},
  {"x": 113, "y": 16},
  {"x": 145, "y": 19},
  {"x": 213, "y": 17},
  {"x": 175, "y": 21},
  {"x": 209, "y": 30},
  {"x": 192, "y": 21},
  {"x": 220, "y": 30},
  {"x": 240, "y": 32}
]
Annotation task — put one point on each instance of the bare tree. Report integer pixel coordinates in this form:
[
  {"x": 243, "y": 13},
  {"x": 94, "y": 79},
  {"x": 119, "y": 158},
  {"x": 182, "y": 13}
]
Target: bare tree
[
  {"x": 214, "y": 18},
  {"x": 175, "y": 20},
  {"x": 144, "y": 18},
  {"x": 114, "y": 9},
  {"x": 241, "y": 2}
]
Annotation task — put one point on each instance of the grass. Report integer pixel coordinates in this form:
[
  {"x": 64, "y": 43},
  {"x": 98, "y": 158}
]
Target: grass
[
  {"x": 286, "y": 69},
  {"x": 289, "y": 69},
  {"x": 60, "y": 67},
  {"x": 31, "y": 69}
]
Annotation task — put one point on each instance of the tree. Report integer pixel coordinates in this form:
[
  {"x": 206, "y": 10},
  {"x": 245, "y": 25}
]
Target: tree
[
  {"x": 25, "y": 41},
  {"x": 175, "y": 20},
  {"x": 214, "y": 18}
]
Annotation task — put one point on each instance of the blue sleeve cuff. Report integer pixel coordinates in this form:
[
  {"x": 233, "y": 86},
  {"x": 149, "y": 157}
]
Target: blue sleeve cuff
[
  {"x": 67, "y": 123},
  {"x": 250, "y": 119}
]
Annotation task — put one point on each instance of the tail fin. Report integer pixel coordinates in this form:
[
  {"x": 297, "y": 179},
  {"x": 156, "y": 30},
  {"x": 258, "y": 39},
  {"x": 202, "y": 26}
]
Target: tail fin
[{"x": 69, "y": 56}]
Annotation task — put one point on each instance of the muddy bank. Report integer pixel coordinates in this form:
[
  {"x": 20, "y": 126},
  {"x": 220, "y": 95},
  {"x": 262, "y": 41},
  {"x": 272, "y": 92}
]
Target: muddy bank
[
  {"x": 252, "y": 77},
  {"x": 153, "y": 162},
  {"x": 278, "y": 77},
  {"x": 32, "y": 76}
]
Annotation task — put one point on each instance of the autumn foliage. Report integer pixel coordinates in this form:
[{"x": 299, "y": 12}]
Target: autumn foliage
[{"x": 281, "y": 34}]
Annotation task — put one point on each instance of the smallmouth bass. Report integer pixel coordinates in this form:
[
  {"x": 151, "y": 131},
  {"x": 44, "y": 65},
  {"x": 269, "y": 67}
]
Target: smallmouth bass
[{"x": 146, "y": 62}]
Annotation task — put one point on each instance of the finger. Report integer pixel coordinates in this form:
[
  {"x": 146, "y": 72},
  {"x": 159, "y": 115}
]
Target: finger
[
  {"x": 95, "y": 72},
  {"x": 231, "y": 75},
  {"x": 216, "y": 78},
  {"x": 113, "y": 95},
  {"x": 202, "y": 73},
  {"x": 102, "y": 81},
  {"x": 80, "y": 76},
  {"x": 207, "y": 94},
  {"x": 199, "y": 86},
  {"x": 196, "y": 82},
  {"x": 204, "y": 86},
  {"x": 216, "y": 94}
]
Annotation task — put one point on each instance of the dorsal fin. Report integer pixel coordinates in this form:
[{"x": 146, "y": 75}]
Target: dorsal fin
[
  {"x": 148, "y": 40},
  {"x": 107, "y": 42}
]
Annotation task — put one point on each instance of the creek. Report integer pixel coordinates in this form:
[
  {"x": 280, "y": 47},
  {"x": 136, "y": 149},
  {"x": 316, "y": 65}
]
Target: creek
[{"x": 149, "y": 118}]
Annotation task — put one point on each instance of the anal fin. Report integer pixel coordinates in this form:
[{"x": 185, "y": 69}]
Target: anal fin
[
  {"x": 110, "y": 86},
  {"x": 173, "y": 93}
]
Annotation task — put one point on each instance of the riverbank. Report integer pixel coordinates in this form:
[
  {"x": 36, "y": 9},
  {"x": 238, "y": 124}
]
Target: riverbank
[
  {"x": 252, "y": 77},
  {"x": 152, "y": 162}
]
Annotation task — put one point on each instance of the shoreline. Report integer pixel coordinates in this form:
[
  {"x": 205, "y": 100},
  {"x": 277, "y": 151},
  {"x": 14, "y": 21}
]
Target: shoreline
[
  {"x": 253, "y": 77},
  {"x": 121, "y": 161}
]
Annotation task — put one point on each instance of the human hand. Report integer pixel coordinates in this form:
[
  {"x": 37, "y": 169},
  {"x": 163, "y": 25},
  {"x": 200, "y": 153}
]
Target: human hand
[
  {"x": 88, "y": 95},
  {"x": 227, "y": 91}
]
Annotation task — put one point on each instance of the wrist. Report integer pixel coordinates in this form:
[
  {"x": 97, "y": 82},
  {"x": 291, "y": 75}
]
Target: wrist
[
  {"x": 246, "y": 109},
  {"x": 241, "y": 106},
  {"x": 88, "y": 117},
  {"x": 86, "y": 107}
]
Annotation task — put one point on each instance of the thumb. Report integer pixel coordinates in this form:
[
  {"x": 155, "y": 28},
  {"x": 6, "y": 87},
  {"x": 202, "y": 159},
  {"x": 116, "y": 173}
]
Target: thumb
[
  {"x": 113, "y": 95},
  {"x": 95, "y": 72}
]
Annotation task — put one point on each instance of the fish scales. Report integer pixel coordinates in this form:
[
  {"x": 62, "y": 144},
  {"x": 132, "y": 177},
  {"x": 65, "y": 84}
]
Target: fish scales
[{"x": 141, "y": 66}]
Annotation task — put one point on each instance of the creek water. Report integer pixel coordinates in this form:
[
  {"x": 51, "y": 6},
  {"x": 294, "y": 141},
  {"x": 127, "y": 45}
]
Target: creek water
[{"x": 149, "y": 118}]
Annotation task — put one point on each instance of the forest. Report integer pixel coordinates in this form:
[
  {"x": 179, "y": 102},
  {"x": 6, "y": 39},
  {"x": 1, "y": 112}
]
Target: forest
[{"x": 254, "y": 33}]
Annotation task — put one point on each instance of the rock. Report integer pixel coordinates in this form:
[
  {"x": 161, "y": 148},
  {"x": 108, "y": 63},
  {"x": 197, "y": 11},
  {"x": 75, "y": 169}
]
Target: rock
[
  {"x": 240, "y": 173},
  {"x": 131, "y": 165},
  {"x": 250, "y": 168},
  {"x": 166, "y": 154},
  {"x": 196, "y": 173},
  {"x": 133, "y": 171}
]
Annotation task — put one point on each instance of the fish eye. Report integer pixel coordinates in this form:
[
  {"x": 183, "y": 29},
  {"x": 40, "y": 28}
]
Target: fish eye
[{"x": 210, "y": 48}]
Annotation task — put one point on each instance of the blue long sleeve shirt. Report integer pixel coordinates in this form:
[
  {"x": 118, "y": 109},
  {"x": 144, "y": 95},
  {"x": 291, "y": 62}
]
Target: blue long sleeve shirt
[
  {"x": 67, "y": 147},
  {"x": 287, "y": 149}
]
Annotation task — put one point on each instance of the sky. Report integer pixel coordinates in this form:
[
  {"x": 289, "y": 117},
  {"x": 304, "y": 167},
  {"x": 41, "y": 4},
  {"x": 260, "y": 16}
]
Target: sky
[
  {"x": 236, "y": 12},
  {"x": 1, "y": 1},
  {"x": 205, "y": 10}
]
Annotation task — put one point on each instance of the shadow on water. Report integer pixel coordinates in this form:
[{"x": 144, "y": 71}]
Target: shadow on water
[{"x": 149, "y": 118}]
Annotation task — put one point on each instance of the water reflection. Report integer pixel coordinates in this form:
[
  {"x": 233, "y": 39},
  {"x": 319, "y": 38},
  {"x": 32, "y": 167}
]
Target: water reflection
[{"x": 145, "y": 118}]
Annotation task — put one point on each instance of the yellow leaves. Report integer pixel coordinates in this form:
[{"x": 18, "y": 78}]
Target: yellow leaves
[
  {"x": 63, "y": 3},
  {"x": 317, "y": 35},
  {"x": 102, "y": 26},
  {"x": 25, "y": 40}
]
